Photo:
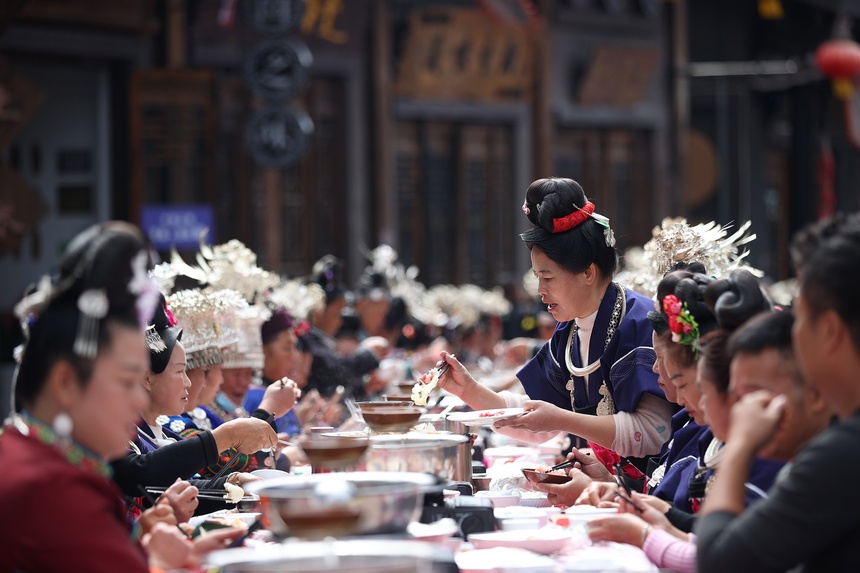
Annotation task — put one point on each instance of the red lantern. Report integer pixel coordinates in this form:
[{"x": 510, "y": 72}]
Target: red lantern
[{"x": 839, "y": 60}]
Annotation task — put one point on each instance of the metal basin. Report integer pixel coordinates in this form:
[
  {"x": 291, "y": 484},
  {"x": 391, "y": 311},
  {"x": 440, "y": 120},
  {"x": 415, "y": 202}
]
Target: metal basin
[
  {"x": 441, "y": 455},
  {"x": 354, "y": 556},
  {"x": 342, "y": 504}
]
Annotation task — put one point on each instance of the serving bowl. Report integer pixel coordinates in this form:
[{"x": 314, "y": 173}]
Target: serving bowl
[
  {"x": 398, "y": 398},
  {"x": 349, "y": 503},
  {"x": 392, "y": 419},
  {"x": 383, "y": 404},
  {"x": 534, "y": 476},
  {"x": 333, "y": 452},
  {"x": 406, "y": 387}
]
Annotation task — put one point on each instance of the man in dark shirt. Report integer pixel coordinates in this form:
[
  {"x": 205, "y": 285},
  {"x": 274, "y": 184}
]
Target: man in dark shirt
[{"x": 808, "y": 523}]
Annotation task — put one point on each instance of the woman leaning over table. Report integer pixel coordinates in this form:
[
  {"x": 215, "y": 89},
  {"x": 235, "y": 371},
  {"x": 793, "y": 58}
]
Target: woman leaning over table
[
  {"x": 159, "y": 456},
  {"x": 77, "y": 395},
  {"x": 594, "y": 377}
]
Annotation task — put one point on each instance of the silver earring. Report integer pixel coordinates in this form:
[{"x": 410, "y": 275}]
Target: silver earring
[{"x": 63, "y": 426}]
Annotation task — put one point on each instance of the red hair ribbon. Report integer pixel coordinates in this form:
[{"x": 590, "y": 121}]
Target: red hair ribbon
[{"x": 570, "y": 221}]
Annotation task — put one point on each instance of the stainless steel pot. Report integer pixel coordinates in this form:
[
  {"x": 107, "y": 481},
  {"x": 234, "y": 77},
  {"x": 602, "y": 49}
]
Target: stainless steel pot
[
  {"x": 447, "y": 456},
  {"x": 365, "y": 556},
  {"x": 342, "y": 504}
]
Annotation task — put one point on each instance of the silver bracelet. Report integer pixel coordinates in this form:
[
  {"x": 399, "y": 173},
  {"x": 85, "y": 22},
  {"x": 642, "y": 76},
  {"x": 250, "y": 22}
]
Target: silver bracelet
[{"x": 645, "y": 529}]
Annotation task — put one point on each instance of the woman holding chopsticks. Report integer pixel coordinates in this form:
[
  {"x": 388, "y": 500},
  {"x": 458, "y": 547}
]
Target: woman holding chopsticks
[
  {"x": 159, "y": 456},
  {"x": 77, "y": 396},
  {"x": 594, "y": 377}
]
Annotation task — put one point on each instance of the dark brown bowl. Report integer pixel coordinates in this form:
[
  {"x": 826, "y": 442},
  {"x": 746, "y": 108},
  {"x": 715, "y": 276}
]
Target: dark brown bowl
[
  {"x": 325, "y": 451},
  {"x": 398, "y": 398},
  {"x": 406, "y": 388},
  {"x": 334, "y": 521},
  {"x": 533, "y": 476},
  {"x": 370, "y": 406},
  {"x": 392, "y": 419}
]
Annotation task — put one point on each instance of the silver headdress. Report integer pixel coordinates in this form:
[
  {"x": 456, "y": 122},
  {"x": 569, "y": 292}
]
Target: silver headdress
[
  {"x": 465, "y": 304},
  {"x": 297, "y": 297},
  {"x": 674, "y": 242},
  {"x": 196, "y": 312}
]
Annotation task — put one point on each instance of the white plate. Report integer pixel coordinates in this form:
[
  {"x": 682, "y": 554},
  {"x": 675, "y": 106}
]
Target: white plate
[
  {"x": 230, "y": 514},
  {"x": 544, "y": 541},
  {"x": 534, "y": 499},
  {"x": 267, "y": 473},
  {"x": 493, "y": 560},
  {"x": 485, "y": 417}
]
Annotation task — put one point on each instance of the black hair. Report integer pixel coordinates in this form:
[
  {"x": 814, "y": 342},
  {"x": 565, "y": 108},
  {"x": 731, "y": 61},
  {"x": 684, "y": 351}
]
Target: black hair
[
  {"x": 350, "y": 325},
  {"x": 690, "y": 289},
  {"x": 715, "y": 359},
  {"x": 826, "y": 258},
  {"x": 576, "y": 248},
  {"x": 326, "y": 273},
  {"x": 170, "y": 335},
  {"x": 807, "y": 240},
  {"x": 372, "y": 284},
  {"x": 736, "y": 299},
  {"x": 732, "y": 301},
  {"x": 98, "y": 258},
  {"x": 398, "y": 313},
  {"x": 656, "y": 317},
  {"x": 769, "y": 330}
]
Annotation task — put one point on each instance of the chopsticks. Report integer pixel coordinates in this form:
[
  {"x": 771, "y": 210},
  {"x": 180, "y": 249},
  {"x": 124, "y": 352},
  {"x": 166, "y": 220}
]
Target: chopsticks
[
  {"x": 442, "y": 369},
  {"x": 235, "y": 457},
  {"x": 563, "y": 465},
  {"x": 226, "y": 466},
  {"x": 152, "y": 502}
]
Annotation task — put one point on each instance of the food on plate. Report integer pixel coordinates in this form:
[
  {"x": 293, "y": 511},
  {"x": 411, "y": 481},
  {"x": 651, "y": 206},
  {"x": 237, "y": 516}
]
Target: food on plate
[
  {"x": 234, "y": 493},
  {"x": 426, "y": 383},
  {"x": 490, "y": 413},
  {"x": 425, "y": 428}
]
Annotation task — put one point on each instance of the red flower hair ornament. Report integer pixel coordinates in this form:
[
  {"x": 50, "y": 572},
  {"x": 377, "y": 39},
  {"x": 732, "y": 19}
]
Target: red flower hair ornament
[{"x": 685, "y": 329}]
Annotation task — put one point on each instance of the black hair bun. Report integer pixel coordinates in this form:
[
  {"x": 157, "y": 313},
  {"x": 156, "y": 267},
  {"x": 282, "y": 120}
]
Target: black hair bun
[
  {"x": 736, "y": 299},
  {"x": 170, "y": 335},
  {"x": 690, "y": 288},
  {"x": 548, "y": 199}
]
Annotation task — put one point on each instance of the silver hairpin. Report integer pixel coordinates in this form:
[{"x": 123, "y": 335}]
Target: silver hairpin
[
  {"x": 154, "y": 342},
  {"x": 93, "y": 305}
]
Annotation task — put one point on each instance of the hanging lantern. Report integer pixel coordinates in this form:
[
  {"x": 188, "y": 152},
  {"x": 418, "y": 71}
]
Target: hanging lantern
[{"x": 839, "y": 59}]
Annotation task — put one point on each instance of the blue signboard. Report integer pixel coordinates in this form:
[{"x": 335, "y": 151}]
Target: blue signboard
[{"x": 177, "y": 226}]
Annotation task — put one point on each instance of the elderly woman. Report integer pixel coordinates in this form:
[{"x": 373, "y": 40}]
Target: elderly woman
[
  {"x": 594, "y": 377},
  {"x": 77, "y": 397}
]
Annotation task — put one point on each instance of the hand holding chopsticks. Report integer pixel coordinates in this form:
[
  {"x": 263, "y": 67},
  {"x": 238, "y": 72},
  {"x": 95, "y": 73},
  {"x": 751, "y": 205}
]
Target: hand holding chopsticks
[{"x": 227, "y": 466}]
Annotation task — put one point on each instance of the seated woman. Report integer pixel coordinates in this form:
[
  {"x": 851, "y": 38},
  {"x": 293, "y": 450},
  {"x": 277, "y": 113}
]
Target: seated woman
[
  {"x": 160, "y": 456},
  {"x": 77, "y": 397}
]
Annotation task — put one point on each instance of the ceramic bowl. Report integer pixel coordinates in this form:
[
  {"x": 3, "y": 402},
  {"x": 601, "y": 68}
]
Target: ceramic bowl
[
  {"x": 534, "y": 476},
  {"x": 392, "y": 419},
  {"x": 333, "y": 452}
]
